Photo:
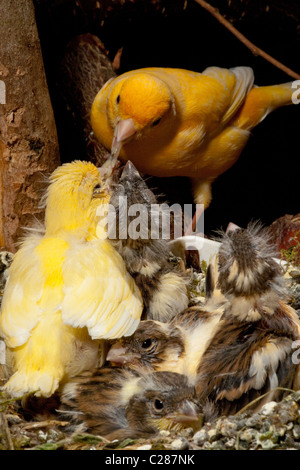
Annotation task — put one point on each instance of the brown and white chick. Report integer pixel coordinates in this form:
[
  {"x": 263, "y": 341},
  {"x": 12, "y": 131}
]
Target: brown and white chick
[
  {"x": 162, "y": 284},
  {"x": 176, "y": 346},
  {"x": 154, "y": 346},
  {"x": 118, "y": 403},
  {"x": 250, "y": 353}
]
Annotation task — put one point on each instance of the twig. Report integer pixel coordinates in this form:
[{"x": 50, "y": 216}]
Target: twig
[
  {"x": 43, "y": 424},
  {"x": 253, "y": 48},
  {"x": 238, "y": 434},
  {"x": 262, "y": 396},
  {"x": 5, "y": 428},
  {"x": 72, "y": 439}
]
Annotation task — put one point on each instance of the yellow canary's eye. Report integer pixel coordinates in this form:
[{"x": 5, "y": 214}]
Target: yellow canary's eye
[
  {"x": 118, "y": 99},
  {"x": 157, "y": 121}
]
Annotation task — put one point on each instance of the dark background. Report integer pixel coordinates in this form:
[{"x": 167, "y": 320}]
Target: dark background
[{"x": 264, "y": 183}]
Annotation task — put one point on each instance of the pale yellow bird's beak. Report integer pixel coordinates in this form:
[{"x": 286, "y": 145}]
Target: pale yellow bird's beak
[{"x": 123, "y": 131}]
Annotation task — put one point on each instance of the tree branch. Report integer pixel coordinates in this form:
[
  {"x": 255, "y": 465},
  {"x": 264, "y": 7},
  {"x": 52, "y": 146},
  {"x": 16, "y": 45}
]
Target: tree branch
[{"x": 254, "y": 49}]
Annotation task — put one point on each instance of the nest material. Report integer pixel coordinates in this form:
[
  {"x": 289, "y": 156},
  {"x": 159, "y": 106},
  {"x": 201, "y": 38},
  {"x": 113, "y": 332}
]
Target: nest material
[{"x": 85, "y": 68}]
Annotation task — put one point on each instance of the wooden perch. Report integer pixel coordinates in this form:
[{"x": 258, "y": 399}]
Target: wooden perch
[{"x": 28, "y": 139}]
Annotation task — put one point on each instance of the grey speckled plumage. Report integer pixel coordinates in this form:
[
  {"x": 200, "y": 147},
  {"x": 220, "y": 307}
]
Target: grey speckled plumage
[
  {"x": 118, "y": 403},
  {"x": 246, "y": 264},
  {"x": 250, "y": 353},
  {"x": 162, "y": 284},
  {"x": 177, "y": 345},
  {"x": 239, "y": 344}
]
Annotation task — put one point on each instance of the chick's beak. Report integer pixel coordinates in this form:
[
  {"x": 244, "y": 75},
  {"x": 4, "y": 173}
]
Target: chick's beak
[
  {"x": 119, "y": 355},
  {"x": 130, "y": 172},
  {"x": 123, "y": 131},
  {"x": 187, "y": 413}
]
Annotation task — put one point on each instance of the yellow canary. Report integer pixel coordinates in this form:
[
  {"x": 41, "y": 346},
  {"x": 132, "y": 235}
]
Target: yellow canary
[
  {"x": 67, "y": 290},
  {"x": 173, "y": 122}
]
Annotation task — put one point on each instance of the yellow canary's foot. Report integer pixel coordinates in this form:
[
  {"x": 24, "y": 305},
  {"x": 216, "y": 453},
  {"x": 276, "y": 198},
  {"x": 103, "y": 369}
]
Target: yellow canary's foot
[{"x": 41, "y": 384}]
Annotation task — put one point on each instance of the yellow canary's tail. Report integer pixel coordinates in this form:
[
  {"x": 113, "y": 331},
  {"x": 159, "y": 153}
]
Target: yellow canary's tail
[
  {"x": 21, "y": 384},
  {"x": 40, "y": 362},
  {"x": 261, "y": 101}
]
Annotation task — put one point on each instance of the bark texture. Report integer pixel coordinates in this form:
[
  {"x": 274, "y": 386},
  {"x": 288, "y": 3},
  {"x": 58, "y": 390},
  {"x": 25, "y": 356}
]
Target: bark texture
[{"x": 28, "y": 138}]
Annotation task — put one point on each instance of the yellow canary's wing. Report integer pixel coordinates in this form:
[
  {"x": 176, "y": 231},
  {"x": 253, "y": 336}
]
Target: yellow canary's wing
[
  {"x": 20, "y": 311},
  {"x": 238, "y": 81},
  {"x": 39, "y": 345},
  {"x": 99, "y": 293}
]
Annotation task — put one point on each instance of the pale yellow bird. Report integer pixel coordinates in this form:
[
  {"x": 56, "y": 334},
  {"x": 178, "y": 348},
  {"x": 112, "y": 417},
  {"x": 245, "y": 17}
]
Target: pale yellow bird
[
  {"x": 174, "y": 122},
  {"x": 67, "y": 290}
]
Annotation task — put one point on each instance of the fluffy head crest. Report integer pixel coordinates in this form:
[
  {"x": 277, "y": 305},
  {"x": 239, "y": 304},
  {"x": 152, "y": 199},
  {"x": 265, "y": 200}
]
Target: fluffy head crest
[
  {"x": 248, "y": 275},
  {"x": 246, "y": 262},
  {"x": 74, "y": 171},
  {"x": 75, "y": 192}
]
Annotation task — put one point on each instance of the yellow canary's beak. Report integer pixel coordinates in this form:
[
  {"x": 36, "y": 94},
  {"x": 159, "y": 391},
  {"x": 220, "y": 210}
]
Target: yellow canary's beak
[{"x": 123, "y": 131}]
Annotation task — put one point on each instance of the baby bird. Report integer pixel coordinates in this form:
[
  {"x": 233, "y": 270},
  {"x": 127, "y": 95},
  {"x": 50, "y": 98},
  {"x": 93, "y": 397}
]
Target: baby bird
[
  {"x": 153, "y": 347},
  {"x": 118, "y": 403},
  {"x": 250, "y": 353},
  {"x": 173, "y": 122},
  {"x": 239, "y": 344},
  {"x": 176, "y": 346},
  {"x": 67, "y": 288},
  {"x": 145, "y": 251}
]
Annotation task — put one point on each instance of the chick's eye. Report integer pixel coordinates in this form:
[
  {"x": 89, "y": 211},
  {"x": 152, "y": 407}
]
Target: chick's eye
[
  {"x": 118, "y": 99},
  {"x": 154, "y": 123},
  {"x": 97, "y": 190},
  {"x": 158, "y": 404},
  {"x": 147, "y": 343}
]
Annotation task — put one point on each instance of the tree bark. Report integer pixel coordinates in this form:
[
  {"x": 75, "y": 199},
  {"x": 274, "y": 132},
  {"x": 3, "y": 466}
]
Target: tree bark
[{"x": 28, "y": 138}]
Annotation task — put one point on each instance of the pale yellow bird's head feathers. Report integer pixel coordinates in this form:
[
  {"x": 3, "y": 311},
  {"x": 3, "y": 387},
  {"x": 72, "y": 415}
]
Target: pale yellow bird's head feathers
[{"x": 75, "y": 192}]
